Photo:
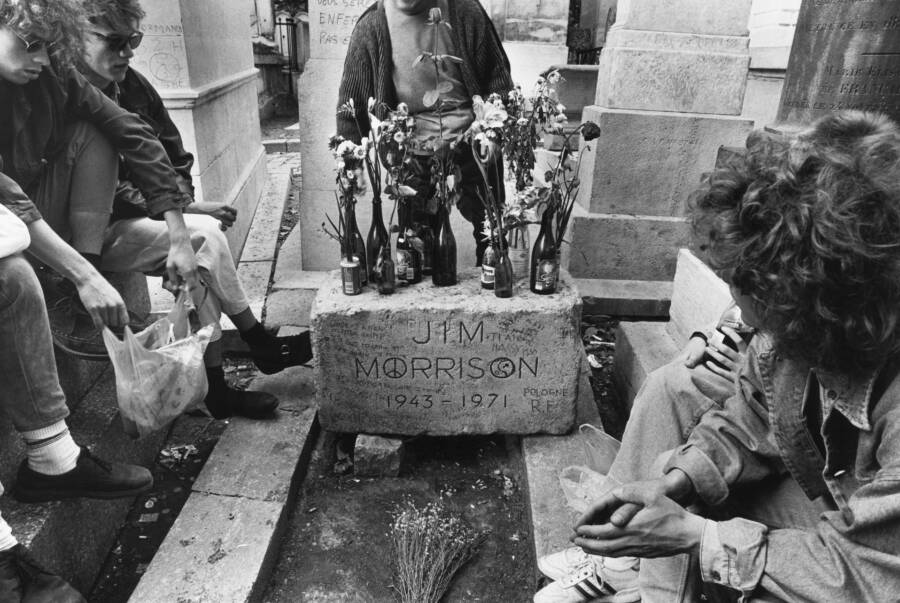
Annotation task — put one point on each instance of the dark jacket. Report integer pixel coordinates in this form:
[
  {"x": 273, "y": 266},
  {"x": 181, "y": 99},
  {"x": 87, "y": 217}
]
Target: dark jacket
[
  {"x": 137, "y": 95},
  {"x": 368, "y": 68},
  {"x": 851, "y": 457},
  {"x": 41, "y": 111}
]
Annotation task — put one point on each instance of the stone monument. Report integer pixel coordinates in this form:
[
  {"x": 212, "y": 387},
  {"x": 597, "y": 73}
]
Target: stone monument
[
  {"x": 846, "y": 55},
  {"x": 669, "y": 92},
  {"x": 199, "y": 58},
  {"x": 449, "y": 360}
]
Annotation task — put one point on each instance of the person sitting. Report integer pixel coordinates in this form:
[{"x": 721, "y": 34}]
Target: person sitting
[
  {"x": 667, "y": 407},
  {"x": 55, "y": 467},
  {"x": 796, "y": 474},
  {"x": 381, "y": 64},
  {"x": 135, "y": 242}
]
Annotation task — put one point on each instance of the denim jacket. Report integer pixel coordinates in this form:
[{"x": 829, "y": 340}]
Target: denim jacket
[
  {"x": 42, "y": 109},
  {"x": 853, "y": 461}
]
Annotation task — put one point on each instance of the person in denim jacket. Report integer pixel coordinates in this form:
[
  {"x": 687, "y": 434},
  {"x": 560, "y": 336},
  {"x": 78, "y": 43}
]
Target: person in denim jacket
[{"x": 798, "y": 474}]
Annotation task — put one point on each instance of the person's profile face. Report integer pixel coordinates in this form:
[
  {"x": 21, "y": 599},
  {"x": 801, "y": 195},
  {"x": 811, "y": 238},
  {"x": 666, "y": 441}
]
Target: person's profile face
[
  {"x": 22, "y": 56},
  {"x": 108, "y": 52},
  {"x": 412, "y": 7},
  {"x": 747, "y": 306}
]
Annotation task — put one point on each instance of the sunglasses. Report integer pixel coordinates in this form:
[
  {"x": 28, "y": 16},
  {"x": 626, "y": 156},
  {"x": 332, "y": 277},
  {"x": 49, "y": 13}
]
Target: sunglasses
[
  {"x": 32, "y": 43},
  {"x": 118, "y": 42}
]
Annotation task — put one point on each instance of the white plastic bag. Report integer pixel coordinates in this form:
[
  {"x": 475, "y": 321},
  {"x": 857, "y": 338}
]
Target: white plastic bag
[
  {"x": 159, "y": 371},
  {"x": 583, "y": 486}
]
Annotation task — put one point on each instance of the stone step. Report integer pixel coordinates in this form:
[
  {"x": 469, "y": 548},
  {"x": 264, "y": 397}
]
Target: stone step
[
  {"x": 698, "y": 299},
  {"x": 545, "y": 456},
  {"x": 634, "y": 299},
  {"x": 73, "y": 537},
  {"x": 226, "y": 537}
]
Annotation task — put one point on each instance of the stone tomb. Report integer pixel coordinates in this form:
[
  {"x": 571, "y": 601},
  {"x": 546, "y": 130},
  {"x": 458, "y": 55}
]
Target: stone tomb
[{"x": 450, "y": 360}]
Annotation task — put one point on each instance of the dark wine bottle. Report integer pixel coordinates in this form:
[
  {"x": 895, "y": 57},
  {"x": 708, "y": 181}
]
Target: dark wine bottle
[
  {"x": 427, "y": 235},
  {"x": 488, "y": 263},
  {"x": 444, "y": 254},
  {"x": 378, "y": 238},
  {"x": 503, "y": 275},
  {"x": 387, "y": 278},
  {"x": 544, "y": 263},
  {"x": 359, "y": 246}
]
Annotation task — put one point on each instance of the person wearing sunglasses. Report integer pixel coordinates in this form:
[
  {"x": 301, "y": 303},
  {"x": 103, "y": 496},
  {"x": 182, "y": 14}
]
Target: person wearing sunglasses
[{"x": 134, "y": 242}]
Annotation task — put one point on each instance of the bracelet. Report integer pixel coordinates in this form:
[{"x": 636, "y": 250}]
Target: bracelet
[{"x": 699, "y": 334}]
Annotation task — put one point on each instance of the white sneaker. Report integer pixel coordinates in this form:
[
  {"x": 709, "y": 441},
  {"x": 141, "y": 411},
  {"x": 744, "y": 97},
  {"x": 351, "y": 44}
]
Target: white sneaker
[
  {"x": 602, "y": 579},
  {"x": 562, "y": 563}
]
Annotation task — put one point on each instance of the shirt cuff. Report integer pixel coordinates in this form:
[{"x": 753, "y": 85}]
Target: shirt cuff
[
  {"x": 714, "y": 561},
  {"x": 705, "y": 476}
]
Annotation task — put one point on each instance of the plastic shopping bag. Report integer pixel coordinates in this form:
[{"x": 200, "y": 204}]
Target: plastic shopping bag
[{"x": 159, "y": 371}]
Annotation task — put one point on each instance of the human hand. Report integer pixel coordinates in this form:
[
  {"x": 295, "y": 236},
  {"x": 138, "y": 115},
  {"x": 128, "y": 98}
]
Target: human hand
[
  {"x": 102, "y": 301},
  {"x": 638, "y": 520},
  {"x": 224, "y": 213},
  {"x": 730, "y": 359},
  {"x": 693, "y": 352},
  {"x": 181, "y": 265}
]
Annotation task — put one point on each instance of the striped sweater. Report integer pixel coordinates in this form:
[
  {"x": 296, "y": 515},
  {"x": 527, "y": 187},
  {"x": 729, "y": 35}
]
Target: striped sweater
[{"x": 368, "y": 67}]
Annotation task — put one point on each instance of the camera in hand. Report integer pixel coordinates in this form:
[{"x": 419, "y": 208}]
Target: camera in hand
[{"x": 730, "y": 318}]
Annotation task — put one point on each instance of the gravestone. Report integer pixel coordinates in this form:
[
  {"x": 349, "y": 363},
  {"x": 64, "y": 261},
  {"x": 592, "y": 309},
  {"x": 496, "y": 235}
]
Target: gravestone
[
  {"x": 669, "y": 93},
  {"x": 845, "y": 55},
  {"x": 448, "y": 360},
  {"x": 198, "y": 56}
]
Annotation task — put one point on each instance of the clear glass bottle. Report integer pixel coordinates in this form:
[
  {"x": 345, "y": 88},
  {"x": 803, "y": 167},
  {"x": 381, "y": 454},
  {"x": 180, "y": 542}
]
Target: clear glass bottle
[
  {"x": 503, "y": 275},
  {"x": 519, "y": 251}
]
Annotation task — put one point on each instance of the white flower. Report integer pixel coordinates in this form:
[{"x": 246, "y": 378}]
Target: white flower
[{"x": 553, "y": 77}]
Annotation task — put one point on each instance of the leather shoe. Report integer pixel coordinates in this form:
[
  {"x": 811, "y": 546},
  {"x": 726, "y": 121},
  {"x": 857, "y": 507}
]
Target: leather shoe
[
  {"x": 23, "y": 579},
  {"x": 91, "y": 478},
  {"x": 253, "y": 405}
]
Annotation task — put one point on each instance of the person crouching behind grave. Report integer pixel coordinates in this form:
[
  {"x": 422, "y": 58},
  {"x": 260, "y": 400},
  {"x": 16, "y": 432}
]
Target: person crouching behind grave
[
  {"x": 381, "y": 64},
  {"x": 799, "y": 467},
  {"x": 135, "y": 242}
]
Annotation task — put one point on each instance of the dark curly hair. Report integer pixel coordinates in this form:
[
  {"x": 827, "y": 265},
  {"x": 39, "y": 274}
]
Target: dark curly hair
[
  {"x": 59, "y": 22},
  {"x": 119, "y": 15},
  {"x": 809, "y": 229}
]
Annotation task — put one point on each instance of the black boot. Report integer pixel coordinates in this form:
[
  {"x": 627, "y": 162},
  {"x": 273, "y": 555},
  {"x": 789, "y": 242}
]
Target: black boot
[
  {"x": 223, "y": 401},
  {"x": 273, "y": 354}
]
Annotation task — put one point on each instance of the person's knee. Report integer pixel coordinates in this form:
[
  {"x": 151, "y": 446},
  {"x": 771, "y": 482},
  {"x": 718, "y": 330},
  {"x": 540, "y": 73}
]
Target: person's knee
[{"x": 18, "y": 281}]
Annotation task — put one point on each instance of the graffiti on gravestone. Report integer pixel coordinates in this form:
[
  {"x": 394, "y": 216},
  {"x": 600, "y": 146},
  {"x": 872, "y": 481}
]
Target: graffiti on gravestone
[{"x": 330, "y": 25}]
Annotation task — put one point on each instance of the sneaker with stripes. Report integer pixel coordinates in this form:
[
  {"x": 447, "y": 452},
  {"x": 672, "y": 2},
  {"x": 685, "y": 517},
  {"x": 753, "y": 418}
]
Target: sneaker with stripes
[{"x": 596, "y": 579}]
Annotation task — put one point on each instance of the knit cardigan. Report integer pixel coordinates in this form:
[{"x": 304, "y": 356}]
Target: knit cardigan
[{"x": 368, "y": 67}]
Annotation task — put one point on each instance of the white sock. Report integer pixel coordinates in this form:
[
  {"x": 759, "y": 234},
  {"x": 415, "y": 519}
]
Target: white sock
[
  {"x": 7, "y": 540},
  {"x": 51, "y": 450}
]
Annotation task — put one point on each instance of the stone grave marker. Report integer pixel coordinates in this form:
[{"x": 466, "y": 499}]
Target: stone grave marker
[
  {"x": 846, "y": 55},
  {"x": 449, "y": 360},
  {"x": 670, "y": 89}
]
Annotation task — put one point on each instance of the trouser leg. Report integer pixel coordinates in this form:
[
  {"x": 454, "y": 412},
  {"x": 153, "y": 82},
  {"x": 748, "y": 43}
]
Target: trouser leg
[
  {"x": 142, "y": 245},
  {"x": 32, "y": 397},
  {"x": 668, "y": 406},
  {"x": 75, "y": 192}
]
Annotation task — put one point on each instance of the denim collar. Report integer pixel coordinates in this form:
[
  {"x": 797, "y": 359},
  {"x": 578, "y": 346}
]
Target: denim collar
[{"x": 849, "y": 395}]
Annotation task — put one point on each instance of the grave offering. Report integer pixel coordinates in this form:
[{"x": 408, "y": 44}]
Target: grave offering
[
  {"x": 450, "y": 360},
  {"x": 670, "y": 88},
  {"x": 846, "y": 55}
]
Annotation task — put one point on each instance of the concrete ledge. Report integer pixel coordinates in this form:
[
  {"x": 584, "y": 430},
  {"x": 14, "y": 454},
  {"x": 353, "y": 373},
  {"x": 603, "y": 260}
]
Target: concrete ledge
[
  {"x": 639, "y": 299},
  {"x": 545, "y": 456},
  {"x": 641, "y": 347},
  {"x": 74, "y": 537},
  {"x": 225, "y": 540},
  {"x": 282, "y": 145}
]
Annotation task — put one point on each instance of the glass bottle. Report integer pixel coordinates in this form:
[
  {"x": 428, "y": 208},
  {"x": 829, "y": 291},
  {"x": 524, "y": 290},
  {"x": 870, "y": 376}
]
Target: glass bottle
[
  {"x": 359, "y": 246},
  {"x": 427, "y": 235},
  {"x": 444, "y": 254},
  {"x": 386, "y": 275},
  {"x": 378, "y": 238},
  {"x": 503, "y": 274},
  {"x": 488, "y": 263},
  {"x": 544, "y": 260},
  {"x": 731, "y": 318},
  {"x": 519, "y": 250},
  {"x": 409, "y": 262}
]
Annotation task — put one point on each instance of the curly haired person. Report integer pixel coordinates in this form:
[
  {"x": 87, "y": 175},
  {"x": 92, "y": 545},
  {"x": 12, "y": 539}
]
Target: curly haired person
[{"x": 797, "y": 473}]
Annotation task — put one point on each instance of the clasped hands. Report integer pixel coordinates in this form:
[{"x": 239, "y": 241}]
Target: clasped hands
[{"x": 641, "y": 519}]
